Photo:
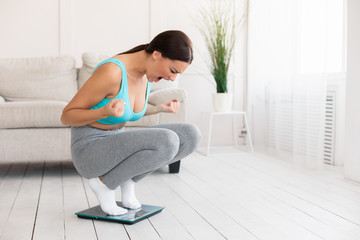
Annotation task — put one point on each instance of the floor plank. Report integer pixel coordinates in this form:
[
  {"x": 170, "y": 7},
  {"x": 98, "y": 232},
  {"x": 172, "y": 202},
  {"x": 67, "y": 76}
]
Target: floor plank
[
  {"x": 50, "y": 226},
  {"x": 9, "y": 190},
  {"x": 296, "y": 212},
  {"x": 21, "y": 221},
  {"x": 339, "y": 181},
  {"x": 142, "y": 230},
  {"x": 213, "y": 214},
  {"x": 74, "y": 201},
  {"x": 236, "y": 196},
  {"x": 276, "y": 190},
  {"x": 197, "y": 176},
  {"x": 303, "y": 202},
  {"x": 4, "y": 169},
  {"x": 165, "y": 223},
  {"x": 197, "y": 226},
  {"x": 104, "y": 230},
  {"x": 308, "y": 182}
]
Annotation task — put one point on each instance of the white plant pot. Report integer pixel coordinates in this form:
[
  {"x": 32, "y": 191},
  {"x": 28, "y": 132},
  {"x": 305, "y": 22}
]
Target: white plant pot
[{"x": 222, "y": 102}]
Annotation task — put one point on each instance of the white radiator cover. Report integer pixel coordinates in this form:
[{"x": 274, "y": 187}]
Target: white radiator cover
[
  {"x": 333, "y": 128},
  {"x": 330, "y": 128}
]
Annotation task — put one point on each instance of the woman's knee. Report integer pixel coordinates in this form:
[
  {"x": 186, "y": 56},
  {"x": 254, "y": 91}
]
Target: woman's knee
[
  {"x": 193, "y": 134},
  {"x": 168, "y": 143}
]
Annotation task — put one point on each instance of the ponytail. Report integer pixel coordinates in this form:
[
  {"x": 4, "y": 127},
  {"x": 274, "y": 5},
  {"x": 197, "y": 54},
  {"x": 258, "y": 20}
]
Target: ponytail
[
  {"x": 136, "y": 49},
  {"x": 172, "y": 44}
]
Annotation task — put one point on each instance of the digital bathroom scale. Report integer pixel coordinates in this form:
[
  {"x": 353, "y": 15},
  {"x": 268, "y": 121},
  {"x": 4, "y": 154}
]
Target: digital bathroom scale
[{"x": 131, "y": 217}]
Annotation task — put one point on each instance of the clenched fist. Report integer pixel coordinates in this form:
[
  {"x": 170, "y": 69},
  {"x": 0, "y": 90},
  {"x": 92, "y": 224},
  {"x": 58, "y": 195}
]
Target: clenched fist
[
  {"x": 170, "y": 106},
  {"x": 115, "y": 108}
]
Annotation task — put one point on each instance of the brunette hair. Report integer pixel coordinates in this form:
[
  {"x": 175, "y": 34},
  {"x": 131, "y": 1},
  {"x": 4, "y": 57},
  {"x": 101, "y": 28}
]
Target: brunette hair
[{"x": 172, "y": 44}]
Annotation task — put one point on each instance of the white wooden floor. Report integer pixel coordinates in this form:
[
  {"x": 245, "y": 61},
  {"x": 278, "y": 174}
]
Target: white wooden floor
[{"x": 220, "y": 197}]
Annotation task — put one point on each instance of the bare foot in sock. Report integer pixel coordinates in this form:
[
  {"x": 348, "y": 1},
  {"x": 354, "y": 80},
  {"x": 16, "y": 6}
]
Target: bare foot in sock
[
  {"x": 106, "y": 197},
  {"x": 128, "y": 195}
]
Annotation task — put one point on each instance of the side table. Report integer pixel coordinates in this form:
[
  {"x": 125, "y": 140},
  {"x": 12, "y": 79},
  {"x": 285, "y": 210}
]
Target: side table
[{"x": 233, "y": 113}]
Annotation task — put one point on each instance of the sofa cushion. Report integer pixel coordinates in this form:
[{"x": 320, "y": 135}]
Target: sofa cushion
[
  {"x": 31, "y": 114},
  {"x": 45, "y": 78},
  {"x": 35, "y": 144},
  {"x": 91, "y": 60},
  {"x": 164, "y": 95}
]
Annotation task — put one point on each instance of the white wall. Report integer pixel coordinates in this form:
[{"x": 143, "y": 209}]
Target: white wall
[
  {"x": 57, "y": 27},
  {"x": 352, "y": 130},
  {"x": 29, "y": 28}
]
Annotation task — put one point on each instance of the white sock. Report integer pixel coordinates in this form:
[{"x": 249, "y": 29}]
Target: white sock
[
  {"x": 128, "y": 195},
  {"x": 106, "y": 197}
]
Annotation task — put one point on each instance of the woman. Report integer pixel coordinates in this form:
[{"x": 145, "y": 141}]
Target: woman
[{"x": 117, "y": 92}]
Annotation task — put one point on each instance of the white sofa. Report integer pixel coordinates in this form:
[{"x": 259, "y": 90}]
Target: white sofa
[{"x": 33, "y": 93}]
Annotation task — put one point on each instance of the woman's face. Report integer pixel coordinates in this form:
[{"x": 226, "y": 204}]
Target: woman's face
[{"x": 164, "y": 68}]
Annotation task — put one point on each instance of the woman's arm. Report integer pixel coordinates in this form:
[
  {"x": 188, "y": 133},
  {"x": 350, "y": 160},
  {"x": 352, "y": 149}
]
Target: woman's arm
[
  {"x": 169, "y": 107},
  {"x": 105, "y": 82}
]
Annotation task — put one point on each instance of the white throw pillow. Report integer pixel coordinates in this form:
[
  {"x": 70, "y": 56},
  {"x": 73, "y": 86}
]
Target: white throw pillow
[
  {"x": 41, "y": 78},
  {"x": 90, "y": 60}
]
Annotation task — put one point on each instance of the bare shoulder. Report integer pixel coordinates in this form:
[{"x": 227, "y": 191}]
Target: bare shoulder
[
  {"x": 105, "y": 82},
  {"x": 108, "y": 73}
]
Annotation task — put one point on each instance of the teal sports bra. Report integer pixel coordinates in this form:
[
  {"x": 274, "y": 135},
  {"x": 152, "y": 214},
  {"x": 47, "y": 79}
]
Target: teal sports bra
[{"x": 123, "y": 94}]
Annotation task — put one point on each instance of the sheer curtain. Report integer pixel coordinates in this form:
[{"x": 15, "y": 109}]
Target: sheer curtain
[{"x": 294, "y": 46}]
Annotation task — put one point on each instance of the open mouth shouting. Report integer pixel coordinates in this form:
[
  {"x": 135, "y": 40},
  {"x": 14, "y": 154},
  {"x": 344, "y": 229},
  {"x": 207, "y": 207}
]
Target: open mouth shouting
[{"x": 158, "y": 79}]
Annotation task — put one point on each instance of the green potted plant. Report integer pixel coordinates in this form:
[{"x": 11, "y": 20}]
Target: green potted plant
[{"x": 220, "y": 27}]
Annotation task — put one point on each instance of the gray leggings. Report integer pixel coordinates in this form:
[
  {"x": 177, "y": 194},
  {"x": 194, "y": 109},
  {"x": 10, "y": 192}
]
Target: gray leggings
[{"x": 119, "y": 155}]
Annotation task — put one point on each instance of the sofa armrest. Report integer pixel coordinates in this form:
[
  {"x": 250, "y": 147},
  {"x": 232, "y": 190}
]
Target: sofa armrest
[
  {"x": 2, "y": 100},
  {"x": 167, "y": 94}
]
